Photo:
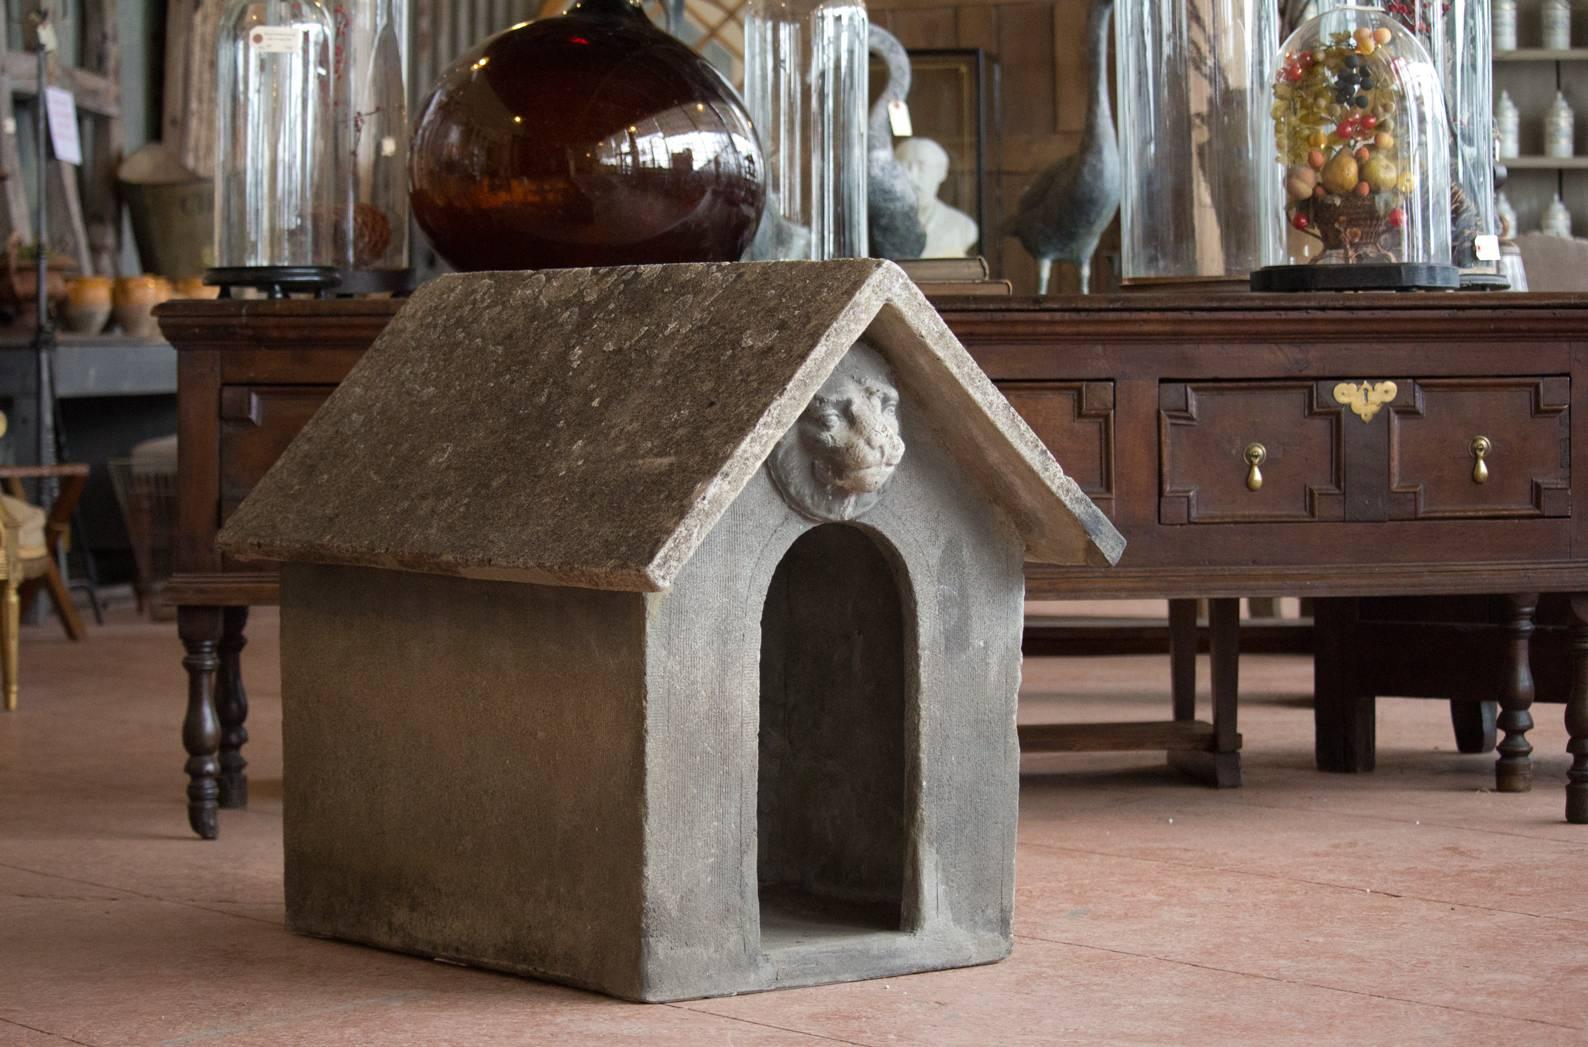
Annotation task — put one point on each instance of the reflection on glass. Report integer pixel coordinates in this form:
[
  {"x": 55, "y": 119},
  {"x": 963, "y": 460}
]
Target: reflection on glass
[{"x": 589, "y": 139}]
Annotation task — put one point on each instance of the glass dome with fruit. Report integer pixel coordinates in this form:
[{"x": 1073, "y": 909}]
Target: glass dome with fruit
[{"x": 1359, "y": 198}]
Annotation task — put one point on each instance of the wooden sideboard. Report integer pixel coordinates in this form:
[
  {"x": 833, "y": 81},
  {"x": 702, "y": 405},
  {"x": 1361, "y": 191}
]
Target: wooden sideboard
[{"x": 1309, "y": 445}]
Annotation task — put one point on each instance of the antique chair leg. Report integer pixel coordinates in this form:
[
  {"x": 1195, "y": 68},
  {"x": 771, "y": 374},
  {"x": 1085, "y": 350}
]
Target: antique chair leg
[
  {"x": 1513, "y": 772},
  {"x": 1343, "y": 713},
  {"x": 200, "y": 629},
  {"x": 1183, "y": 658},
  {"x": 1577, "y": 715},
  {"x": 10, "y": 636},
  {"x": 61, "y": 597},
  {"x": 231, "y": 704},
  {"x": 1474, "y": 725}
]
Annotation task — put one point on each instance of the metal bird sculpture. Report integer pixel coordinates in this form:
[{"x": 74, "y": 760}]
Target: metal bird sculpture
[
  {"x": 894, "y": 227},
  {"x": 1063, "y": 212}
]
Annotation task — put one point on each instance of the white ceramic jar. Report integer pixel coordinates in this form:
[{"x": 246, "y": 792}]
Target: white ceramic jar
[
  {"x": 1558, "y": 125},
  {"x": 1508, "y": 125},
  {"x": 1504, "y": 25},
  {"x": 1555, "y": 15},
  {"x": 1557, "y": 220}
]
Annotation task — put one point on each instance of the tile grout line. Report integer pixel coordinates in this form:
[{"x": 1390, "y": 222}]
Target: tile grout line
[
  {"x": 46, "y": 1032},
  {"x": 130, "y": 891},
  {"x": 1298, "y": 984},
  {"x": 765, "y": 1025},
  {"x": 1507, "y": 834},
  {"x": 1237, "y": 871}
]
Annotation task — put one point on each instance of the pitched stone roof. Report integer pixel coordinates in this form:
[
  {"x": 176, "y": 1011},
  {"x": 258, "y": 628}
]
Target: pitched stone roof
[{"x": 588, "y": 427}]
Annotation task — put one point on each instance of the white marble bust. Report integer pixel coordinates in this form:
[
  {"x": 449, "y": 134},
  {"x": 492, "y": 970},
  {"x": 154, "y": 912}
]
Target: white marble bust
[{"x": 950, "y": 232}]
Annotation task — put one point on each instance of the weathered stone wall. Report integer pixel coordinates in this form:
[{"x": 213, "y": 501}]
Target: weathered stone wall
[{"x": 463, "y": 769}]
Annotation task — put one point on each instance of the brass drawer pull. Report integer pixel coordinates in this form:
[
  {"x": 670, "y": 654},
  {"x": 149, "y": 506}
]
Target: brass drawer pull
[
  {"x": 1481, "y": 446},
  {"x": 1257, "y": 454}
]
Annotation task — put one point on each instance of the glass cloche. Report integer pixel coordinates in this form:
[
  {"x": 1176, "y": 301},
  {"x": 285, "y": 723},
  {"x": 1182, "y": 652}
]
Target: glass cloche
[
  {"x": 1360, "y": 196},
  {"x": 275, "y": 202}
]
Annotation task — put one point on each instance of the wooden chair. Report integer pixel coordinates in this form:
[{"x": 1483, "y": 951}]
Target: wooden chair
[{"x": 33, "y": 540}]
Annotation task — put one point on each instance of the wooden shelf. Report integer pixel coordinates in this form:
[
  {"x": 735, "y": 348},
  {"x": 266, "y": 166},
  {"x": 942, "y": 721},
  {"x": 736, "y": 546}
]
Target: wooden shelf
[
  {"x": 1545, "y": 163},
  {"x": 1542, "y": 54}
]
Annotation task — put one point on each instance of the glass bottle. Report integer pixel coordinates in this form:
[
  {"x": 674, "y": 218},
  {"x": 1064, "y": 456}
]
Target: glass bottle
[
  {"x": 275, "y": 204},
  {"x": 1507, "y": 216},
  {"x": 1193, "y": 78},
  {"x": 1504, "y": 25},
  {"x": 1557, "y": 220},
  {"x": 370, "y": 56},
  {"x": 1555, "y": 16},
  {"x": 1469, "y": 103},
  {"x": 805, "y": 84},
  {"x": 1558, "y": 123},
  {"x": 1508, "y": 126}
]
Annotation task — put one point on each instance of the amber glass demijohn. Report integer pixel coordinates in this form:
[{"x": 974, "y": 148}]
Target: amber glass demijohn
[{"x": 588, "y": 139}]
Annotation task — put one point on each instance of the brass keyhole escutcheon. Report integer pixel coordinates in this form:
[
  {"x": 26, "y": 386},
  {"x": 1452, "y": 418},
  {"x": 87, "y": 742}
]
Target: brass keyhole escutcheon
[
  {"x": 1256, "y": 455},
  {"x": 1481, "y": 446}
]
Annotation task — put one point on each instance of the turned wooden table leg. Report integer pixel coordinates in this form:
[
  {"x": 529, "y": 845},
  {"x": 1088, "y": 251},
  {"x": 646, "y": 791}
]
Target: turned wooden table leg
[
  {"x": 1183, "y": 658},
  {"x": 1220, "y": 766},
  {"x": 1513, "y": 772},
  {"x": 200, "y": 630},
  {"x": 231, "y": 704},
  {"x": 1343, "y": 712},
  {"x": 1577, "y": 715},
  {"x": 1474, "y": 724}
]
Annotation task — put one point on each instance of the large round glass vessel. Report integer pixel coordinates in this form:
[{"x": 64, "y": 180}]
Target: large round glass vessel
[
  {"x": 1192, "y": 76},
  {"x": 1360, "y": 196},
  {"x": 275, "y": 200},
  {"x": 588, "y": 139}
]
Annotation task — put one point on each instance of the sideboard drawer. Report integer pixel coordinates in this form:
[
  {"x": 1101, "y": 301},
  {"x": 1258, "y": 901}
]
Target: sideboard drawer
[
  {"x": 1076, "y": 422},
  {"x": 1520, "y": 426},
  {"x": 257, "y": 424},
  {"x": 1297, "y": 450},
  {"x": 1249, "y": 452}
]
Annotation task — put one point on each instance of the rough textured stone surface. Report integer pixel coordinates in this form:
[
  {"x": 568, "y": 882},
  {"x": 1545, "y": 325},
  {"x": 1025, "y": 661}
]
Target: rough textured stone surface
[
  {"x": 589, "y": 427},
  {"x": 578, "y": 785}
]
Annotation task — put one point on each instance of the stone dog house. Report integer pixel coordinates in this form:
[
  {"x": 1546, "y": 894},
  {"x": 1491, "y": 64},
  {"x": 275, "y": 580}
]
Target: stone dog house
[{"x": 657, "y": 630}]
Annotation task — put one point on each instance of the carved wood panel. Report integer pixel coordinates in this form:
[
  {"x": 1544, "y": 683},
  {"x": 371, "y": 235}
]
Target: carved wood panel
[
  {"x": 1526, "y": 471},
  {"x": 1076, "y": 422},
  {"x": 1206, "y": 431}
]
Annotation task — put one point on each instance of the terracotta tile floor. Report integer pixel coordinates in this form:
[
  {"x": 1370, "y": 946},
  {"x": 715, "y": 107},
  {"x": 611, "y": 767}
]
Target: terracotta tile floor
[{"x": 1410, "y": 906}]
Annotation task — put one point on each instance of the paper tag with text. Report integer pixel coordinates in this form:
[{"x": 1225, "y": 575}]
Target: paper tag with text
[
  {"x": 899, "y": 118},
  {"x": 275, "y": 39},
  {"x": 61, "y": 110}
]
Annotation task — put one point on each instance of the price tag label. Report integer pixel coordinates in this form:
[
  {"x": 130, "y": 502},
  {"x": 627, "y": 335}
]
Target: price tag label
[
  {"x": 1487, "y": 247},
  {"x": 275, "y": 39},
  {"x": 61, "y": 111},
  {"x": 899, "y": 118}
]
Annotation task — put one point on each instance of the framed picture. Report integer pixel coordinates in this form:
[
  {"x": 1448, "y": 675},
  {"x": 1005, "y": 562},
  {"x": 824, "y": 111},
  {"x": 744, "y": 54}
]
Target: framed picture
[{"x": 954, "y": 102}]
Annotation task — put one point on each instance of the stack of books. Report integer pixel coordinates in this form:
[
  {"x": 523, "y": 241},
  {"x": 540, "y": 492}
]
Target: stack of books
[{"x": 938, "y": 277}]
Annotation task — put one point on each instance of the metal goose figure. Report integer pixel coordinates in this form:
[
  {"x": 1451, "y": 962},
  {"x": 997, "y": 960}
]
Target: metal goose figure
[
  {"x": 1063, "y": 212},
  {"x": 894, "y": 227}
]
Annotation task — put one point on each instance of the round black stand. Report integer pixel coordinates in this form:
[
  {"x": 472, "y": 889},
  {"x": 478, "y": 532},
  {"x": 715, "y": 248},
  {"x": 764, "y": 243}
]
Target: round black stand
[
  {"x": 1377, "y": 276},
  {"x": 398, "y": 282},
  {"x": 1480, "y": 281},
  {"x": 278, "y": 281}
]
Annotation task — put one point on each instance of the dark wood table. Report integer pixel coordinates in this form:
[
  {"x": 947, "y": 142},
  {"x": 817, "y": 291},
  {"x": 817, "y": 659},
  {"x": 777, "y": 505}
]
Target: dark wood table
[{"x": 1361, "y": 414}]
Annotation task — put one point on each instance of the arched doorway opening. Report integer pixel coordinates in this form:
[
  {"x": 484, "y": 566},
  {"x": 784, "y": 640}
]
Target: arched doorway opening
[{"x": 832, "y": 789}]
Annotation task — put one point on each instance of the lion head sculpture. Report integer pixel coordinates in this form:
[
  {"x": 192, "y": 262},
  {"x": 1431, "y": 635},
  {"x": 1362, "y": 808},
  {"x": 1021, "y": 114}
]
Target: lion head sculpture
[{"x": 834, "y": 462}]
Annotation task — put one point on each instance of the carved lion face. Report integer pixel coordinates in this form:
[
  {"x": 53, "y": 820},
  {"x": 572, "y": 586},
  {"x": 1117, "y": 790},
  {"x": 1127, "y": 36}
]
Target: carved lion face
[{"x": 835, "y": 461}]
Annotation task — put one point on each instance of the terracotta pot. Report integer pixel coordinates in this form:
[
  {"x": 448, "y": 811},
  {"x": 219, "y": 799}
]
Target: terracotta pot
[
  {"x": 135, "y": 299},
  {"x": 88, "y": 302},
  {"x": 19, "y": 286},
  {"x": 193, "y": 287}
]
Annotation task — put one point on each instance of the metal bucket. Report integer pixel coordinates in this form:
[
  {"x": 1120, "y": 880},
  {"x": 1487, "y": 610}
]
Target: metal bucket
[{"x": 173, "y": 224}]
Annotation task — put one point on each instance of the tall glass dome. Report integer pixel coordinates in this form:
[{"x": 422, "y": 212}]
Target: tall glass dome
[
  {"x": 1357, "y": 190},
  {"x": 275, "y": 200},
  {"x": 1193, "y": 75}
]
